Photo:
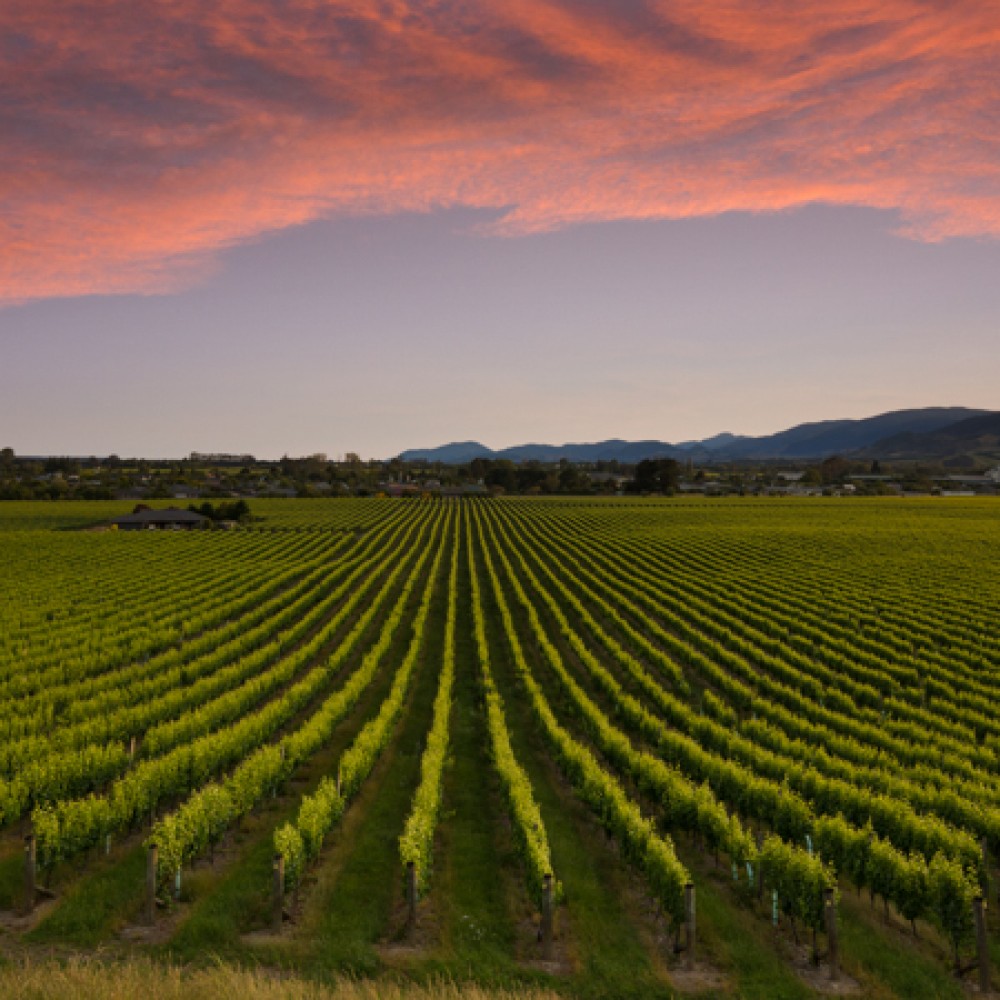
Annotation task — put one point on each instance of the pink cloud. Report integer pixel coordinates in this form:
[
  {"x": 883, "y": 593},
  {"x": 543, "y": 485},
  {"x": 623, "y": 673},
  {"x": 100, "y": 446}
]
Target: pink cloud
[{"x": 140, "y": 138}]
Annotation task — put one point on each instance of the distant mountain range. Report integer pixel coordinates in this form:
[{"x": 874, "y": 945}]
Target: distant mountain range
[
  {"x": 933, "y": 432},
  {"x": 967, "y": 442}
]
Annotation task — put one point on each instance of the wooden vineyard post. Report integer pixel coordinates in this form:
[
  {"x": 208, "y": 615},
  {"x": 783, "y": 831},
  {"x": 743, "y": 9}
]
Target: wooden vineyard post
[
  {"x": 278, "y": 899},
  {"x": 987, "y": 881},
  {"x": 760, "y": 868},
  {"x": 30, "y": 872},
  {"x": 546, "y": 927},
  {"x": 689, "y": 925},
  {"x": 982, "y": 948},
  {"x": 830, "y": 912},
  {"x": 152, "y": 857},
  {"x": 411, "y": 896}
]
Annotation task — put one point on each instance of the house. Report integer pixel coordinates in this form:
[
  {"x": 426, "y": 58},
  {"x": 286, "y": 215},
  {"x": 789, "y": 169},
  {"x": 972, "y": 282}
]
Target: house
[{"x": 171, "y": 518}]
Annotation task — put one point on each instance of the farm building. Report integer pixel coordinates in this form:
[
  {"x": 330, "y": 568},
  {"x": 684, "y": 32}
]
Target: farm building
[{"x": 171, "y": 518}]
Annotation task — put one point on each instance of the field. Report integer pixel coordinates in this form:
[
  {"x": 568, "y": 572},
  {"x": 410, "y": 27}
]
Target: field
[{"x": 362, "y": 733}]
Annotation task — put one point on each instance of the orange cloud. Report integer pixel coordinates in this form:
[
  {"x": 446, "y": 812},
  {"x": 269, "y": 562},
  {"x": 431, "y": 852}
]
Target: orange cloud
[{"x": 140, "y": 138}]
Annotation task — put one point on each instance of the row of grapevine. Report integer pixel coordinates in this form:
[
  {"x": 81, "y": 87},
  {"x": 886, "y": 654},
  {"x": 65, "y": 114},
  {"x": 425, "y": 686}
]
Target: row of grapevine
[
  {"x": 753, "y": 634},
  {"x": 526, "y": 817},
  {"x": 300, "y": 842},
  {"x": 59, "y": 768},
  {"x": 887, "y": 868},
  {"x": 893, "y": 818},
  {"x": 72, "y": 825},
  {"x": 141, "y": 618},
  {"x": 417, "y": 838},
  {"x": 202, "y": 819},
  {"x": 243, "y": 618},
  {"x": 116, "y": 688},
  {"x": 684, "y": 805},
  {"x": 641, "y": 844}
]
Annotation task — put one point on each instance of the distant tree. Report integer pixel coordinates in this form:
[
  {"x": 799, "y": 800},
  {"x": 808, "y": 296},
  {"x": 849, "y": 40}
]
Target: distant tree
[
  {"x": 657, "y": 475},
  {"x": 833, "y": 469},
  {"x": 502, "y": 476},
  {"x": 236, "y": 510},
  {"x": 530, "y": 477},
  {"x": 479, "y": 468},
  {"x": 7, "y": 458},
  {"x": 62, "y": 464},
  {"x": 570, "y": 479}
]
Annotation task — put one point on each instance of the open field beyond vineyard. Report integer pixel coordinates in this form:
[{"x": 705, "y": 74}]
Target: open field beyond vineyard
[{"x": 497, "y": 742}]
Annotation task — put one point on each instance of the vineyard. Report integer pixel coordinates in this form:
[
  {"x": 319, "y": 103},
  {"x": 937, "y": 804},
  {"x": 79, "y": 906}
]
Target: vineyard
[{"x": 626, "y": 747}]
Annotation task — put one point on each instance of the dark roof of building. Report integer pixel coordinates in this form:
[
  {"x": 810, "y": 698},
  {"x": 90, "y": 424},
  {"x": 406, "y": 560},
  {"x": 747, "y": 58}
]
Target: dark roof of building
[{"x": 172, "y": 515}]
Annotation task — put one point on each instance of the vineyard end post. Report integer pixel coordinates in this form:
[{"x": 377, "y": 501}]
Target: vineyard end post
[
  {"x": 30, "y": 872},
  {"x": 689, "y": 924},
  {"x": 982, "y": 948},
  {"x": 547, "y": 916},
  {"x": 278, "y": 900},
  {"x": 152, "y": 860},
  {"x": 760, "y": 868},
  {"x": 833, "y": 947},
  {"x": 984, "y": 847}
]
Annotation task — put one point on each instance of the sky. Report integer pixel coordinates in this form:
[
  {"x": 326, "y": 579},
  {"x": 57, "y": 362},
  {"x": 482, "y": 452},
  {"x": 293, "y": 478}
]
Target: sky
[{"x": 298, "y": 226}]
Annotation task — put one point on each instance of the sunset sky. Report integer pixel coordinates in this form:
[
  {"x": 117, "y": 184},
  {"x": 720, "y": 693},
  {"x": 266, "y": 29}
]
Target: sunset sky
[{"x": 289, "y": 226}]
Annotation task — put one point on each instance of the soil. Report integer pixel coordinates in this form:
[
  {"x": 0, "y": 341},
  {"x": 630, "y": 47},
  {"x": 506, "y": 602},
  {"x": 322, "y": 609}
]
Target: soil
[
  {"x": 559, "y": 961},
  {"x": 700, "y": 979},
  {"x": 817, "y": 977},
  {"x": 168, "y": 919},
  {"x": 20, "y": 923}
]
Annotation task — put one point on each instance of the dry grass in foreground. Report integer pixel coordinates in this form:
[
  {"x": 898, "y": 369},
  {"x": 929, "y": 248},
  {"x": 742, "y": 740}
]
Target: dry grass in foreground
[{"x": 82, "y": 979}]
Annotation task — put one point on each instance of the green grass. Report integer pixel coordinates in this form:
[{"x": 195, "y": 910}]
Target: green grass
[
  {"x": 472, "y": 877},
  {"x": 12, "y": 879},
  {"x": 93, "y": 906},
  {"x": 607, "y": 947},
  {"x": 237, "y": 900},
  {"x": 740, "y": 942},
  {"x": 349, "y": 908},
  {"x": 227, "y": 905},
  {"x": 890, "y": 958}
]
